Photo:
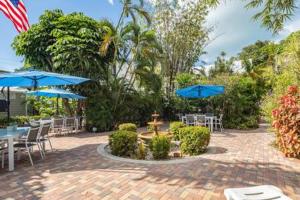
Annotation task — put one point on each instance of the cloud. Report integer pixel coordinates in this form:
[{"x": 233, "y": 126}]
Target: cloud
[
  {"x": 290, "y": 27},
  {"x": 234, "y": 29},
  {"x": 111, "y": 2}
]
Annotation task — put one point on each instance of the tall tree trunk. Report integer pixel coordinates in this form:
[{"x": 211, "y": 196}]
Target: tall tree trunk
[{"x": 68, "y": 107}]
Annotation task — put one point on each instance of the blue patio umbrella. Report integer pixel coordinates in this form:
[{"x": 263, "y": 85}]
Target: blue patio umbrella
[
  {"x": 200, "y": 91},
  {"x": 36, "y": 79},
  {"x": 55, "y": 93},
  {"x": 58, "y": 93}
]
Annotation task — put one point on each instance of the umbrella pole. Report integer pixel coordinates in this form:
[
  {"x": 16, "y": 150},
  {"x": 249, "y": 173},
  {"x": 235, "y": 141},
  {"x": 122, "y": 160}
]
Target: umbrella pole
[
  {"x": 8, "y": 104},
  {"x": 57, "y": 112}
]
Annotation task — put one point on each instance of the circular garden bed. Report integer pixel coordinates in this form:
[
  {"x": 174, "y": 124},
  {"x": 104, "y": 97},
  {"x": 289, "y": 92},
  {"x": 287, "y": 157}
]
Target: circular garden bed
[{"x": 185, "y": 144}]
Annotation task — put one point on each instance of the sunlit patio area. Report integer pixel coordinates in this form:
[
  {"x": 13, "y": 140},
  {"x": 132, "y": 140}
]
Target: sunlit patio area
[{"x": 76, "y": 169}]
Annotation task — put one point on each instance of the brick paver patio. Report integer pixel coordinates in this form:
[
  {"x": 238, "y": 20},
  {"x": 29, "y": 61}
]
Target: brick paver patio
[{"x": 76, "y": 171}]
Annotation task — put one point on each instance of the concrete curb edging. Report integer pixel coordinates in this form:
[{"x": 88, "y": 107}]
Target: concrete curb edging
[{"x": 101, "y": 150}]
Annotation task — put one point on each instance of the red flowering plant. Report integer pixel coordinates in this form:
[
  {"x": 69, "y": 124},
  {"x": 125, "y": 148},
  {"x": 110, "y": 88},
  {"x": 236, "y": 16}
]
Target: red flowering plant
[{"x": 287, "y": 123}]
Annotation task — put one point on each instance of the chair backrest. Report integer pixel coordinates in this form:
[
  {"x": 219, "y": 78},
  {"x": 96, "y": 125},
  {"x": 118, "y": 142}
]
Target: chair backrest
[
  {"x": 34, "y": 124},
  {"x": 58, "y": 122},
  {"x": 221, "y": 116},
  {"x": 32, "y": 135},
  {"x": 190, "y": 118},
  {"x": 200, "y": 118},
  {"x": 209, "y": 114},
  {"x": 45, "y": 129},
  {"x": 70, "y": 121}
]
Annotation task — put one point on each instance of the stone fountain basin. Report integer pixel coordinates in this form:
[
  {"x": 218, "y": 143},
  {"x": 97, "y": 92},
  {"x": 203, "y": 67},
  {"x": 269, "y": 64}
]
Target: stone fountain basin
[{"x": 147, "y": 136}]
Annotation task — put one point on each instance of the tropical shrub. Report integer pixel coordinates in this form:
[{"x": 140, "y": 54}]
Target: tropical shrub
[
  {"x": 128, "y": 127},
  {"x": 123, "y": 143},
  {"x": 240, "y": 103},
  {"x": 141, "y": 151},
  {"x": 287, "y": 123},
  {"x": 160, "y": 147},
  {"x": 194, "y": 139},
  {"x": 281, "y": 82},
  {"x": 174, "y": 128},
  {"x": 19, "y": 120}
]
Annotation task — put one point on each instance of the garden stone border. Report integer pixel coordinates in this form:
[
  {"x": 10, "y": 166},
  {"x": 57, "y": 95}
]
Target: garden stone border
[{"x": 101, "y": 150}]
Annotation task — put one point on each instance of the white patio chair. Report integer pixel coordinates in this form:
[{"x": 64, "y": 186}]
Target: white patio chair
[
  {"x": 219, "y": 122},
  {"x": 3, "y": 150},
  {"x": 200, "y": 120},
  {"x": 263, "y": 192},
  {"x": 30, "y": 140},
  {"x": 44, "y": 136},
  {"x": 190, "y": 120},
  {"x": 70, "y": 124},
  {"x": 183, "y": 119},
  {"x": 58, "y": 125}
]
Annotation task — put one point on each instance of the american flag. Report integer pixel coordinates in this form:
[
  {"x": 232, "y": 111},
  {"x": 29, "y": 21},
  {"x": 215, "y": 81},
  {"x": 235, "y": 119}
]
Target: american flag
[{"x": 15, "y": 11}]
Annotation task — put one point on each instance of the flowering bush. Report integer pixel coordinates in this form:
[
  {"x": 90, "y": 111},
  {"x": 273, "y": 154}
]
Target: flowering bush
[{"x": 287, "y": 122}]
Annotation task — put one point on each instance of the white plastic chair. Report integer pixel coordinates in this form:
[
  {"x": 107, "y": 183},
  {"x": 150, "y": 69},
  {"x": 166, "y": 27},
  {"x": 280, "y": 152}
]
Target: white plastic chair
[
  {"x": 44, "y": 136},
  {"x": 219, "y": 122},
  {"x": 30, "y": 140},
  {"x": 58, "y": 125},
  {"x": 3, "y": 150},
  {"x": 200, "y": 120},
  {"x": 190, "y": 120},
  {"x": 70, "y": 124},
  {"x": 263, "y": 192}
]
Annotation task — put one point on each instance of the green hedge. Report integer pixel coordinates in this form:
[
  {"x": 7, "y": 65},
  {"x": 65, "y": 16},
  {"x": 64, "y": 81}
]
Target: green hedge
[
  {"x": 141, "y": 151},
  {"x": 123, "y": 143},
  {"x": 160, "y": 147},
  {"x": 20, "y": 120},
  {"x": 174, "y": 128},
  {"x": 194, "y": 139},
  {"x": 128, "y": 127}
]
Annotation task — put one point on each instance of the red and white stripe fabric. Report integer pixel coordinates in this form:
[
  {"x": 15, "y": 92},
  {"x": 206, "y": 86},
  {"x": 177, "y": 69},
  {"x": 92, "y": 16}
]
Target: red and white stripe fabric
[{"x": 16, "y": 13}]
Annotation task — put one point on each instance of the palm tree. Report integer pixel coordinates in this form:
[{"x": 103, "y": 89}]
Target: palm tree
[{"x": 131, "y": 9}]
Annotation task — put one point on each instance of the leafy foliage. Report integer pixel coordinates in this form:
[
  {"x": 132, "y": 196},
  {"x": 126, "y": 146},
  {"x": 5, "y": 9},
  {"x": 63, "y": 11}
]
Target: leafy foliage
[
  {"x": 194, "y": 139},
  {"x": 272, "y": 13},
  {"x": 182, "y": 34},
  {"x": 240, "y": 103},
  {"x": 160, "y": 147},
  {"x": 285, "y": 73},
  {"x": 185, "y": 79},
  {"x": 128, "y": 127},
  {"x": 287, "y": 123},
  {"x": 221, "y": 66},
  {"x": 174, "y": 128},
  {"x": 19, "y": 120},
  {"x": 123, "y": 143},
  {"x": 115, "y": 58},
  {"x": 141, "y": 151}
]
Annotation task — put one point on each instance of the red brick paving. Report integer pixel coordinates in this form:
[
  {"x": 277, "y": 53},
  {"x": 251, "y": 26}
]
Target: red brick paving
[{"x": 76, "y": 171}]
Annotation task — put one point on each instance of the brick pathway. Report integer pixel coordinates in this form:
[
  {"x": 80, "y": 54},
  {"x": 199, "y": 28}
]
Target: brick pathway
[{"x": 76, "y": 171}]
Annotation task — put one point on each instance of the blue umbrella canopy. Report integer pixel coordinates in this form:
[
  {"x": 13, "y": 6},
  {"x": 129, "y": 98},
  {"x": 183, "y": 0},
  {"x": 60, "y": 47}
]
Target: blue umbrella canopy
[
  {"x": 55, "y": 92},
  {"x": 37, "y": 79},
  {"x": 58, "y": 93},
  {"x": 33, "y": 78},
  {"x": 200, "y": 91}
]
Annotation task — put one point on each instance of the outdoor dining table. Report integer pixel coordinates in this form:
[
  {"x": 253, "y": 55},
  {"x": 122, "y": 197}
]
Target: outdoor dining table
[
  {"x": 210, "y": 119},
  {"x": 10, "y": 135}
]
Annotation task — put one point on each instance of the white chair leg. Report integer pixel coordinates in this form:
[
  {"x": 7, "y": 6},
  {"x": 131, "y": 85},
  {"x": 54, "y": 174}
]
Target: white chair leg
[
  {"x": 50, "y": 143},
  {"x": 3, "y": 159},
  {"x": 28, "y": 151},
  {"x": 19, "y": 154},
  {"x": 41, "y": 150}
]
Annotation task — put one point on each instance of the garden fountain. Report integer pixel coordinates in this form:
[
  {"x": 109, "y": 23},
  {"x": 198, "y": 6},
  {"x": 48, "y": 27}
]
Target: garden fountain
[{"x": 147, "y": 136}]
